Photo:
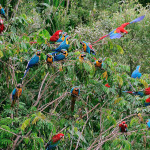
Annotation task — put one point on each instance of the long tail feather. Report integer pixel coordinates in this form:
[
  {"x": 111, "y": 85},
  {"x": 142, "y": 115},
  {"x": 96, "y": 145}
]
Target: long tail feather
[
  {"x": 25, "y": 73},
  {"x": 128, "y": 92},
  {"x": 13, "y": 103},
  {"x": 138, "y": 19},
  {"x": 73, "y": 99},
  {"x": 101, "y": 38}
]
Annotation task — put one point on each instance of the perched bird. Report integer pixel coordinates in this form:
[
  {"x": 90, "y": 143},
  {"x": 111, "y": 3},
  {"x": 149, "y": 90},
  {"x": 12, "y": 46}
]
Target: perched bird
[
  {"x": 82, "y": 56},
  {"x": 87, "y": 47},
  {"x": 33, "y": 61},
  {"x": 136, "y": 73},
  {"x": 140, "y": 93},
  {"x": 61, "y": 56},
  {"x": 61, "y": 39},
  {"x": 99, "y": 63},
  {"x": 49, "y": 58},
  {"x": 2, "y": 27},
  {"x": 123, "y": 128},
  {"x": 107, "y": 85},
  {"x": 75, "y": 91},
  {"x": 148, "y": 123},
  {"x": 116, "y": 33},
  {"x": 63, "y": 45},
  {"x": 147, "y": 102},
  {"x": 16, "y": 93},
  {"x": 55, "y": 36},
  {"x": 2, "y": 11},
  {"x": 54, "y": 141}
]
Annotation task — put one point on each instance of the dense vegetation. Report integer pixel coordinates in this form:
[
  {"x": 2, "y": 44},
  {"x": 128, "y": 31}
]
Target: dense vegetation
[{"x": 44, "y": 106}]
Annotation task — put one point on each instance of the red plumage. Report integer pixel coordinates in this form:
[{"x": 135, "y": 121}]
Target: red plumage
[
  {"x": 55, "y": 36},
  {"x": 107, "y": 85},
  {"x": 148, "y": 100},
  {"x": 147, "y": 91},
  {"x": 123, "y": 126},
  {"x": 57, "y": 137},
  {"x": 2, "y": 27}
]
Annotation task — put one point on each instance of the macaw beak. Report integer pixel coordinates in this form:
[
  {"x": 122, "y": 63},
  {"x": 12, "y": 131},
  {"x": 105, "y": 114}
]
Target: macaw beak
[
  {"x": 81, "y": 43},
  {"x": 68, "y": 37},
  {"x": 83, "y": 55},
  {"x": 100, "y": 61},
  {"x": 60, "y": 33},
  {"x": 65, "y": 34}
]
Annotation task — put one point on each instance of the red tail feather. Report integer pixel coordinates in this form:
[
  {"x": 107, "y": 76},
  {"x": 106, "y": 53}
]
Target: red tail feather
[{"x": 101, "y": 38}]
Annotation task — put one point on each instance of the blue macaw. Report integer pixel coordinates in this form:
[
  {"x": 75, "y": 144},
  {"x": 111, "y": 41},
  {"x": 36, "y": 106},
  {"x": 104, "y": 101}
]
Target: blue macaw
[
  {"x": 61, "y": 56},
  {"x": 99, "y": 63},
  {"x": 2, "y": 11},
  {"x": 148, "y": 123},
  {"x": 49, "y": 58},
  {"x": 87, "y": 47},
  {"x": 34, "y": 60},
  {"x": 16, "y": 93},
  {"x": 75, "y": 91},
  {"x": 62, "y": 38},
  {"x": 63, "y": 45},
  {"x": 136, "y": 73}
]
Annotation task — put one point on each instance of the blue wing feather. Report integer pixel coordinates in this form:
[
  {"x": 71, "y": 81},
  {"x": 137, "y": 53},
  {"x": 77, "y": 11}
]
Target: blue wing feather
[
  {"x": 115, "y": 35},
  {"x": 137, "y": 19},
  {"x": 59, "y": 57},
  {"x": 13, "y": 93}
]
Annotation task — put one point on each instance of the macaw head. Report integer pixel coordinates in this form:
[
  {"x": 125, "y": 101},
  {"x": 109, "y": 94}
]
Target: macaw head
[
  {"x": 82, "y": 56},
  {"x": 1, "y": 6},
  {"x": 64, "y": 52},
  {"x": 63, "y": 36},
  {"x": 100, "y": 60},
  {"x": 75, "y": 90},
  {"x": 38, "y": 53},
  {"x": 57, "y": 137},
  {"x": 19, "y": 85},
  {"x": 67, "y": 38},
  {"x": 58, "y": 32},
  {"x": 84, "y": 45},
  {"x": 123, "y": 123},
  {"x": 51, "y": 58},
  {"x": 138, "y": 68},
  {"x": 1, "y": 21}
]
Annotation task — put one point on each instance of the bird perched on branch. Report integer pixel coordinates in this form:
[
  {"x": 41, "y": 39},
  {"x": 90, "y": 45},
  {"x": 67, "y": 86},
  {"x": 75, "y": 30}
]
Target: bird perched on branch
[
  {"x": 54, "y": 141},
  {"x": 99, "y": 63},
  {"x": 16, "y": 93},
  {"x": 87, "y": 47},
  {"x": 75, "y": 91},
  {"x": 61, "y": 56},
  {"x": 123, "y": 128},
  {"x": 116, "y": 33},
  {"x": 49, "y": 58},
  {"x": 2, "y": 27},
  {"x": 2, "y": 12},
  {"x": 136, "y": 73},
  {"x": 34, "y": 60},
  {"x": 82, "y": 56},
  {"x": 62, "y": 37},
  {"x": 55, "y": 36}
]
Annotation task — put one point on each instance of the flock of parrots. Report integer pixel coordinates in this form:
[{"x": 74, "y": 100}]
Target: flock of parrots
[{"x": 60, "y": 53}]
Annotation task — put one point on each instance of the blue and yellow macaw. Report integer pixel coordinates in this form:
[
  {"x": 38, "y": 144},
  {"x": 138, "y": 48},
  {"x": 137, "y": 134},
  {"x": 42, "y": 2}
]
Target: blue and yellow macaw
[
  {"x": 61, "y": 56},
  {"x": 136, "y": 73},
  {"x": 62, "y": 38},
  {"x": 34, "y": 60},
  {"x": 75, "y": 91},
  {"x": 82, "y": 56},
  {"x": 49, "y": 58},
  {"x": 2, "y": 11},
  {"x": 116, "y": 33},
  {"x": 148, "y": 123},
  {"x": 63, "y": 45},
  {"x": 87, "y": 47},
  {"x": 99, "y": 63},
  {"x": 16, "y": 93}
]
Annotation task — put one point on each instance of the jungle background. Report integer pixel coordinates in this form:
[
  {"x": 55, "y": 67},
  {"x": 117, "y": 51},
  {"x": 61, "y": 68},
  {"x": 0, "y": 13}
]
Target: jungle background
[{"x": 44, "y": 106}]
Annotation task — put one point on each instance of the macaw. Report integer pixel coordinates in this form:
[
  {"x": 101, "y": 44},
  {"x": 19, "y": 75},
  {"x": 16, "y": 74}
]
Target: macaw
[
  {"x": 116, "y": 33},
  {"x": 147, "y": 102},
  {"x": 136, "y": 73},
  {"x": 82, "y": 56},
  {"x": 55, "y": 36},
  {"x": 107, "y": 85},
  {"x": 75, "y": 91},
  {"x": 61, "y": 56},
  {"x": 49, "y": 58},
  {"x": 148, "y": 123},
  {"x": 99, "y": 63},
  {"x": 140, "y": 93},
  {"x": 16, "y": 93},
  {"x": 87, "y": 47},
  {"x": 2, "y": 27},
  {"x": 33, "y": 61},
  {"x": 61, "y": 39},
  {"x": 123, "y": 128},
  {"x": 2, "y": 12},
  {"x": 63, "y": 45},
  {"x": 54, "y": 141}
]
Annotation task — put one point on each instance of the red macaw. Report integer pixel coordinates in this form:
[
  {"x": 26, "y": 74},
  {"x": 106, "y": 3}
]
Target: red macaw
[
  {"x": 107, "y": 85},
  {"x": 147, "y": 102},
  {"x": 2, "y": 27},
  {"x": 116, "y": 33},
  {"x": 55, "y": 36},
  {"x": 54, "y": 141},
  {"x": 123, "y": 128}
]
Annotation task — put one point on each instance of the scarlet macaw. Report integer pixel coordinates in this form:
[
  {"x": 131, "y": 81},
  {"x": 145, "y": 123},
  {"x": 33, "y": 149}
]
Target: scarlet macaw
[
  {"x": 61, "y": 56},
  {"x": 75, "y": 91},
  {"x": 55, "y": 36},
  {"x": 1, "y": 26},
  {"x": 116, "y": 33},
  {"x": 61, "y": 39},
  {"x": 148, "y": 123},
  {"x": 136, "y": 73},
  {"x": 16, "y": 93},
  {"x": 140, "y": 93},
  {"x": 63, "y": 45},
  {"x": 99, "y": 63},
  {"x": 123, "y": 128},
  {"x": 54, "y": 141},
  {"x": 107, "y": 85},
  {"x": 147, "y": 102},
  {"x": 34, "y": 60},
  {"x": 87, "y": 47},
  {"x": 49, "y": 58},
  {"x": 2, "y": 11}
]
